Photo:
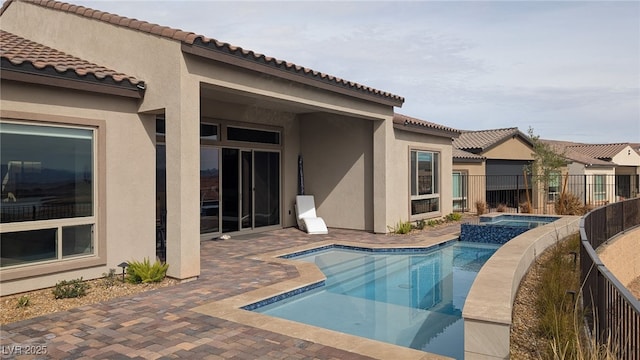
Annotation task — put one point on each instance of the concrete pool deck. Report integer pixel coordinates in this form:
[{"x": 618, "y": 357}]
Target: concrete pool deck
[{"x": 163, "y": 323}]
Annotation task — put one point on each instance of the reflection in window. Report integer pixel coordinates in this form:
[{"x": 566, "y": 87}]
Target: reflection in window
[
  {"x": 553, "y": 189},
  {"x": 425, "y": 173},
  {"x": 599, "y": 188},
  {"x": 47, "y": 174}
]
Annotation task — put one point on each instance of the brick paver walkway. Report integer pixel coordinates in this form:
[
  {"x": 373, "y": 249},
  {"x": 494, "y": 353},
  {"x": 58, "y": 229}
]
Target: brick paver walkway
[{"x": 159, "y": 324}]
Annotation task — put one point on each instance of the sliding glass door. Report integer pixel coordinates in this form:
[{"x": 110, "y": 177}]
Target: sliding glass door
[{"x": 250, "y": 189}]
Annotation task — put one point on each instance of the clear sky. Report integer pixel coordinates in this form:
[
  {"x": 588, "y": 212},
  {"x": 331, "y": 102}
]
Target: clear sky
[{"x": 568, "y": 69}]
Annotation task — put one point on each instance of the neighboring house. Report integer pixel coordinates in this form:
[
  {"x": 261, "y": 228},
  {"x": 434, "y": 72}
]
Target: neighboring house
[
  {"x": 468, "y": 188},
  {"x": 503, "y": 154},
  {"x": 598, "y": 173},
  {"x": 116, "y": 131}
]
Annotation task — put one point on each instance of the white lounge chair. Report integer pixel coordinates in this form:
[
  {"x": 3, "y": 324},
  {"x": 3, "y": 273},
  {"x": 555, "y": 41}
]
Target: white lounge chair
[{"x": 307, "y": 218}]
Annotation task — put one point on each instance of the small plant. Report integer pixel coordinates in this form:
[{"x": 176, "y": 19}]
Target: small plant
[
  {"x": 420, "y": 224},
  {"x": 23, "y": 301},
  {"x": 454, "y": 217},
  {"x": 570, "y": 204},
  {"x": 501, "y": 208},
  {"x": 109, "y": 279},
  {"x": 145, "y": 272},
  {"x": 481, "y": 207},
  {"x": 70, "y": 289},
  {"x": 433, "y": 223}
]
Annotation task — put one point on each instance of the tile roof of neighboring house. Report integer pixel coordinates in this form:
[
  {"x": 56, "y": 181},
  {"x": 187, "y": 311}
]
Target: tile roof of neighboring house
[
  {"x": 22, "y": 56},
  {"x": 408, "y": 123},
  {"x": 465, "y": 155},
  {"x": 600, "y": 151},
  {"x": 482, "y": 140},
  {"x": 570, "y": 151},
  {"x": 190, "y": 38}
]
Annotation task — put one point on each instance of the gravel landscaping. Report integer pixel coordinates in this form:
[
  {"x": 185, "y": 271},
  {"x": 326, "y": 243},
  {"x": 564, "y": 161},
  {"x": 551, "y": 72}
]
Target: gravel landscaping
[{"x": 42, "y": 302}]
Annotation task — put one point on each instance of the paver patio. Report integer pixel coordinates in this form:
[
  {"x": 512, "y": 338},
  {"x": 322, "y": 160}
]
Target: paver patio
[{"x": 161, "y": 325}]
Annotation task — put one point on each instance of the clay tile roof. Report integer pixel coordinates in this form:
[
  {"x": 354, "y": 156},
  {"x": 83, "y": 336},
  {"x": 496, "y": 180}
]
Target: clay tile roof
[
  {"x": 465, "y": 155},
  {"x": 23, "y": 55},
  {"x": 211, "y": 44},
  {"x": 569, "y": 152},
  {"x": 600, "y": 151},
  {"x": 479, "y": 141},
  {"x": 412, "y": 124}
]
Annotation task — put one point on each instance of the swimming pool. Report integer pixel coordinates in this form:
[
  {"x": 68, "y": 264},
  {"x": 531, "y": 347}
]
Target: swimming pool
[{"x": 412, "y": 298}]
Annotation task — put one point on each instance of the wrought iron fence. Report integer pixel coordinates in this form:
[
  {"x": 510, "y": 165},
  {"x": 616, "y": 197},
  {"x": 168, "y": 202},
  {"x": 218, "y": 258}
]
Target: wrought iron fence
[
  {"x": 613, "y": 311},
  {"x": 541, "y": 195}
]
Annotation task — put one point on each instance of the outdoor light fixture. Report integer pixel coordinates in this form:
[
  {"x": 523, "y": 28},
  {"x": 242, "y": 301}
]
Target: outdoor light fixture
[{"x": 123, "y": 265}]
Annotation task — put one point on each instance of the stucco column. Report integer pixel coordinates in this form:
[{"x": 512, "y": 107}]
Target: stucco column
[
  {"x": 382, "y": 130},
  {"x": 183, "y": 183}
]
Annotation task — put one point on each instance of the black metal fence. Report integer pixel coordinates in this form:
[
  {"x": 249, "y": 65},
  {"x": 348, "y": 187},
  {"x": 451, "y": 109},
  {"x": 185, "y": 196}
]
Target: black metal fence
[
  {"x": 540, "y": 195},
  {"x": 613, "y": 311}
]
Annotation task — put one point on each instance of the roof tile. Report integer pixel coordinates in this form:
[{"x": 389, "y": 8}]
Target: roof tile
[
  {"x": 18, "y": 51},
  {"x": 212, "y": 44},
  {"x": 600, "y": 151},
  {"x": 415, "y": 123},
  {"x": 483, "y": 139}
]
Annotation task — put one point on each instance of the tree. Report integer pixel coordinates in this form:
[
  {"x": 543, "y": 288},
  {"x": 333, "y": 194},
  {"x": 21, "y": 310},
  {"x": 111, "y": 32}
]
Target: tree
[{"x": 546, "y": 163}]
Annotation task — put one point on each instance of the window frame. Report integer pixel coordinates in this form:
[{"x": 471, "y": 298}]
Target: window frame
[
  {"x": 98, "y": 257},
  {"x": 436, "y": 181},
  {"x": 599, "y": 190}
]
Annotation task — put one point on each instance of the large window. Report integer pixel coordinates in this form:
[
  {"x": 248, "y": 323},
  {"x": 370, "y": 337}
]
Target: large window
[
  {"x": 47, "y": 207},
  {"x": 425, "y": 174}
]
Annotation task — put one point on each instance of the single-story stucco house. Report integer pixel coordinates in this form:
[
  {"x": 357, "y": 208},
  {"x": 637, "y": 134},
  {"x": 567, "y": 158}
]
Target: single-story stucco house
[{"x": 115, "y": 131}]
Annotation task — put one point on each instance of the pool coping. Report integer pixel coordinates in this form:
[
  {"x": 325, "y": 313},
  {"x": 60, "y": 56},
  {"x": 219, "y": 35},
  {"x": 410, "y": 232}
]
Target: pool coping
[
  {"x": 488, "y": 308},
  {"x": 231, "y": 308}
]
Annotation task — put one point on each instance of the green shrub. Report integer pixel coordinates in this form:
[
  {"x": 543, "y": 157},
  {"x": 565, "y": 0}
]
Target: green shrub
[
  {"x": 454, "y": 217},
  {"x": 70, "y": 289},
  {"x": 145, "y": 272},
  {"x": 420, "y": 224},
  {"x": 432, "y": 222},
  {"x": 23, "y": 301},
  {"x": 402, "y": 227}
]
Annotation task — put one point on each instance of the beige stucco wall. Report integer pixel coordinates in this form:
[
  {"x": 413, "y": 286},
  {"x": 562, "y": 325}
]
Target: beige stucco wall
[
  {"x": 627, "y": 157},
  {"x": 622, "y": 256},
  {"x": 338, "y": 168},
  {"x": 511, "y": 149},
  {"x": 128, "y": 171},
  {"x": 148, "y": 57},
  {"x": 398, "y": 173}
]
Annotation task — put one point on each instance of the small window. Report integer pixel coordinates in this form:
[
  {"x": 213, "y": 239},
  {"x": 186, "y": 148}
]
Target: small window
[
  {"x": 425, "y": 182},
  {"x": 599, "y": 188},
  {"x": 553, "y": 190},
  {"x": 253, "y": 135},
  {"x": 209, "y": 132}
]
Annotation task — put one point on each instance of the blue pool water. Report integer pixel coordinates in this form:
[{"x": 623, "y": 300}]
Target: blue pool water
[{"x": 410, "y": 299}]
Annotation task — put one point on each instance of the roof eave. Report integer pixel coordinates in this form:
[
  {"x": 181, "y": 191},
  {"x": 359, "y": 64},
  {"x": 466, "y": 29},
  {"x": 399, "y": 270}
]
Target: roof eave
[
  {"x": 407, "y": 126},
  {"x": 36, "y": 77},
  {"x": 273, "y": 70}
]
